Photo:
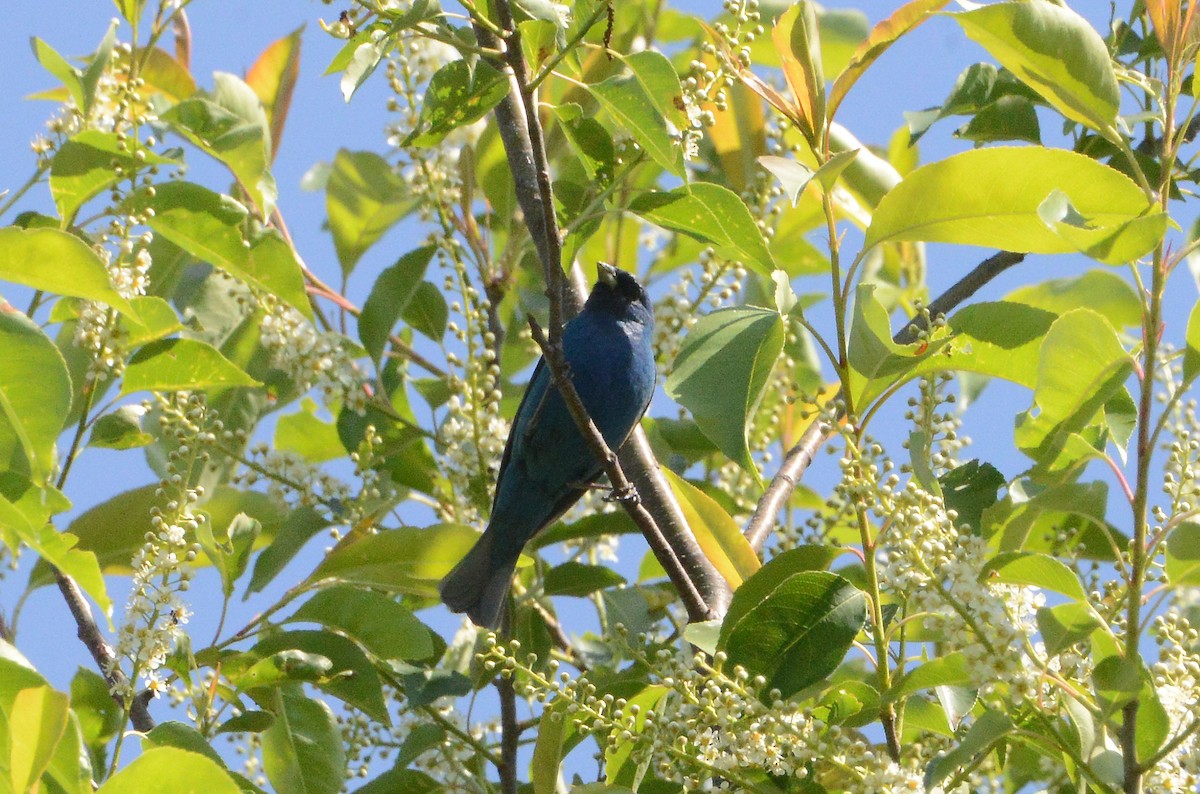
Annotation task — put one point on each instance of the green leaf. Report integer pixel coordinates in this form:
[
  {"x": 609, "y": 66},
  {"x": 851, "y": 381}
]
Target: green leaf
[
  {"x": 364, "y": 198},
  {"x": 1055, "y": 52},
  {"x": 247, "y": 722},
  {"x": 182, "y": 736},
  {"x": 712, "y": 214},
  {"x": 380, "y": 624},
  {"x": 1028, "y": 569},
  {"x": 302, "y": 750},
  {"x": 58, "y": 66},
  {"x": 229, "y": 549},
  {"x": 231, "y": 125},
  {"x": 1113, "y": 245},
  {"x": 210, "y": 226},
  {"x": 361, "y": 688},
  {"x": 875, "y": 359},
  {"x": 35, "y": 389},
  {"x": 1083, "y": 364},
  {"x": 169, "y": 770},
  {"x": 402, "y": 560},
  {"x": 390, "y": 297},
  {"x": 590, "y": 142},
  {"x": 1153, "y": 723},
  {"x": 25, "y": 512},
  {"x": 721, "y": 372},
  {"x": 1191, "y": 354},
  {"x": 719, "y": 536},
  {"x": 642, "y": 100},
  {"x": 182, "y": 364},
  {"x": 795, "y": 176},
  {"x": 37, "y": 719},
  {"x": 548, "y": 750},
  {"x": 1102, "y": 291},
  {"x": 576, "y": 579},
  {"x": 988, "y": 729},
  {"x": 970, "y": 489},
  {"x": 426, "y": 312},
  {"x": 153, "y": 320},
  {"x": 357, "y": 59},
  {"x": 121, "y": 429},
  {"x": 83, "y": 166},
  {"x": 792, "y": 626},
  {"x": 1033, "y": 521},
  {"x": 1183, "y": 555},
  {"x": 297, "y": 529},
  {"x": 1000, "y": 339},
  {"x": 77, "y": 272},
  {"x": 251, "y": 671},
  {"x": 942, "y": 202},
  {"x": 1009, "y": 118},
  {"x": 313, "y": 439},
  {"x": 459, "y": 93},
  {"x": 1065, "y": 625},
  {"x": 950, "y": 670},
  {"x": 98, "y": 714}
]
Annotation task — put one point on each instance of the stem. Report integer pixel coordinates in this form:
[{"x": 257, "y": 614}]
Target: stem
[
  {"x": 510, "y": 734},
  {"x": 23, "y": 189}
]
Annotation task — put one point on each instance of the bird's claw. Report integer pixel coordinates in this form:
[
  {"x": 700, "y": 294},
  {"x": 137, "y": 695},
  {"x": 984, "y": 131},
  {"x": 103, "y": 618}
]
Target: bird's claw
[{"x": 627, "y": 494}]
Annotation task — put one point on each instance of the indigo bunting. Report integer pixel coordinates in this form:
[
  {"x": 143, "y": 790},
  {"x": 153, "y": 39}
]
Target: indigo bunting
[{"x": 547, "y": 466}]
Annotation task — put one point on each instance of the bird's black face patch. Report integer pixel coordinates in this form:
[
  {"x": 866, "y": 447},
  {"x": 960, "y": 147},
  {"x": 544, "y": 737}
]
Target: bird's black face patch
[{"x": 628, "y": 287}]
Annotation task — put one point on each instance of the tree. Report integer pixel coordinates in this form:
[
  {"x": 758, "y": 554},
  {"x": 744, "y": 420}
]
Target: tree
[{"x": 932, "y": 622}]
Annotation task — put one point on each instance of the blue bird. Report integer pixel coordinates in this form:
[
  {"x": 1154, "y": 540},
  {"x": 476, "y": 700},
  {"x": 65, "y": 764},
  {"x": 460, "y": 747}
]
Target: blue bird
[{"x": 547, "y": 466}]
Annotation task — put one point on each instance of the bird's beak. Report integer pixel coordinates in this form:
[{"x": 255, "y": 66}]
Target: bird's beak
[{"x": 606, "y": 273}]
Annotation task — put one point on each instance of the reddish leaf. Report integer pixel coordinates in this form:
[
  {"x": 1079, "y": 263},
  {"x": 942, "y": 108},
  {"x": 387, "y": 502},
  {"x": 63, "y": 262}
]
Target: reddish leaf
[
  {"x": 273, "y": 78},
  {"x": 882, "y": 36},
  {"x": 799, "y": 47}
]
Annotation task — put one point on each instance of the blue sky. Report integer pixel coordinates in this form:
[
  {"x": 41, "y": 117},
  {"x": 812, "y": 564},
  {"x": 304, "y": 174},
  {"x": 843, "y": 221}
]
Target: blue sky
[{"x": 229, "y": 34}]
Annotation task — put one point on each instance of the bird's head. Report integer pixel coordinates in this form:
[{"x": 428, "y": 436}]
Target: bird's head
[{"x": 619, "y": 292}]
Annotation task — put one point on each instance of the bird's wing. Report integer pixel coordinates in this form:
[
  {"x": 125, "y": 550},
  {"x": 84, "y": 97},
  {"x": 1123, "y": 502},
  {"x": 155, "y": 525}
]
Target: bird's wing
[{"x": 523, "y": 425}]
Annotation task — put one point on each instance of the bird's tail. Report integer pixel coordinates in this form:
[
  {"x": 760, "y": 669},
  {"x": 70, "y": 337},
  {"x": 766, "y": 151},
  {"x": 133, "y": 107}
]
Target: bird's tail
[{"x": 479, "y": 584}]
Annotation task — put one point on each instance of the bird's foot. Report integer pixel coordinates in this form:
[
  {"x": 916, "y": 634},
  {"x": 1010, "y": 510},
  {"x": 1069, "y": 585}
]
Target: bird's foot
[{"x": 627, "y": 494}]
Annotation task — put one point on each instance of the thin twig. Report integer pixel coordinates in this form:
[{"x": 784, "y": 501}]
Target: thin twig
[{"x": 800, "y": 456}]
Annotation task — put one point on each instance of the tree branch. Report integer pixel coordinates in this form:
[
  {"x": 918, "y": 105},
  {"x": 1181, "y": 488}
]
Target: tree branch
[
  {"x": 510, "y": 734},
  {"x": 800, "y": 456},
  {"x": 89, "y": 634},
  {"x": 665, "y": 530}
]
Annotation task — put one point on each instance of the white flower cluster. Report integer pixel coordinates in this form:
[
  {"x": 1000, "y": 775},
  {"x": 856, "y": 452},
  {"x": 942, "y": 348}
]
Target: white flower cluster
[
  {"x": 470, "y": 444},
  {"x": 431, "y": 172},
  {"x": 927, "y": 561},
  {"x": 1177, "y": 682},
  {"x": 323, "y": 361},
  {"x": 97, "y": 329},
  {"x": 709, "y": 729},
  {"x": 162, "y": 567},
  {"x": 706, "y": 85}
]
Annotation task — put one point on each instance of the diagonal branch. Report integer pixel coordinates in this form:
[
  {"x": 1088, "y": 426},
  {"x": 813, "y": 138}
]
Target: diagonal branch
[
  {"x": 799, "y": 457},
  {"x": 89, "y": 634},
  {"x": 703, "y": 591}
]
